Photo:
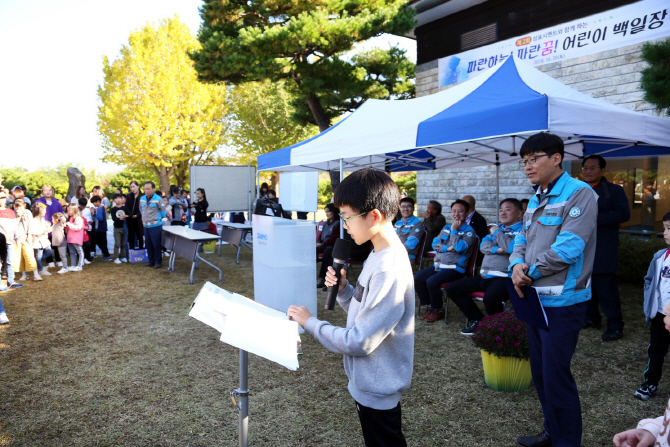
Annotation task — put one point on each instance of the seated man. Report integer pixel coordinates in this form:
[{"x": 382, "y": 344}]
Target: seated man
[
  {"x": 409, "y": 228},
  {"x": 497, "y": 247},
  {"x": 433, "y": 222},
  {"x": 454, "y": 247}
]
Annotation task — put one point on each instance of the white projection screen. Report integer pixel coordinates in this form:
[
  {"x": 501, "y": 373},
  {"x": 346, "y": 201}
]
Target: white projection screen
[
  {"x": 228, "y": 188},
  {"x": 299, "y": 191}
]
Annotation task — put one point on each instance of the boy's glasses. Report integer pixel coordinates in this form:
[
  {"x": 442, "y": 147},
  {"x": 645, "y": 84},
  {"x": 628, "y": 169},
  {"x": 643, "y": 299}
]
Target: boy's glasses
[{"x": 345, "y": 220}]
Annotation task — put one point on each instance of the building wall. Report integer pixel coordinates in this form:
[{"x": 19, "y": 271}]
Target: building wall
[{"x": 613, "y": 76}]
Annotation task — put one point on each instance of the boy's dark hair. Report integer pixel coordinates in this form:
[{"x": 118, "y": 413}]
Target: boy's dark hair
[
  {"x": 408, "y": 200},
  {"x": 117, "y": 196},
  {"x": 461, "y": 202},
  {"x": 82, "y": 201},
  {"x": 601, "y": 161},
  {"x": 513, "y": 201},
  {"x": 545, "y": 142},
  {"x": 96, "y": 199},
  {"x": 332, "y": 208},
  {"x": 666, "y": 217},
  {"x": 437, "y": 206},
  {"x": 524, "y": 201},
  {"x": 272, "y": 191},
  {"x": 368, "y": 189}
]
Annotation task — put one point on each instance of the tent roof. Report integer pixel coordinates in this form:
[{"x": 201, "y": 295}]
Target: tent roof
[{"x": 478, "y": 122}]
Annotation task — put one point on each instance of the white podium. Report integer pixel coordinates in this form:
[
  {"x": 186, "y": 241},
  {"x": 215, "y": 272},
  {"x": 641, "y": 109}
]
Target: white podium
[{"x": 284, "y": 262}]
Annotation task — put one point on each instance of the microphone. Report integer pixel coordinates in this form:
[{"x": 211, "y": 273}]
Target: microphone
[{"x": 340, "y": 254}]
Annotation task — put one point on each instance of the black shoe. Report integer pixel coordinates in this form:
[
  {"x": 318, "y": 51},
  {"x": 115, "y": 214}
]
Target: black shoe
[
  {"x": 148, "y": 265},
  {"x": 612, "y": 335},
  {"x": 540, "y": 440},
  {"x": 588, "y": 324},
  {"x": 469, "y": 330},
  {"x": 157, "y": 266},
  {"x": 321, "y": 284}
]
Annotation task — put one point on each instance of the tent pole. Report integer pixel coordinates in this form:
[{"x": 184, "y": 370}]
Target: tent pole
[
  {"x": 341, "y": 178},
  {"x": 497, "y": 182}
]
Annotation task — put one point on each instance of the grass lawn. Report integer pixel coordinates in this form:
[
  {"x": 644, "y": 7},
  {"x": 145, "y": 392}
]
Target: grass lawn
[{"x": 108, "y": 357}]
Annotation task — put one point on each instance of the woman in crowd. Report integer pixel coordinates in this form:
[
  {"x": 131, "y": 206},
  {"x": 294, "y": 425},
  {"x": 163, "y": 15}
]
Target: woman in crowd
[
  {"x": 79, "y": 192},
  {"x": 3, "y": 259},
  {"x": 264, "y": 190},
  {"x": 200, "y": 206},
  {"x": 134, "y": 219},
  {"x": 38, "y": 235},
  {"x": 328, "y": 231}
]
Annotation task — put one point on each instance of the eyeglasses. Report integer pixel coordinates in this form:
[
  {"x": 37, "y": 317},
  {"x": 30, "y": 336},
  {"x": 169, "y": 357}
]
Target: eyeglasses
[
  {"x": 592, "y": 168},
  {"x": 407, "y": 207},
  {"x": 345, "y": 220},
  {"x": 531, "y": 160}
]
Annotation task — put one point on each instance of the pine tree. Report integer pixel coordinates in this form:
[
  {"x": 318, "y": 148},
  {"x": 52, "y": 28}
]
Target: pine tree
[{"x": 656, "y": 78}]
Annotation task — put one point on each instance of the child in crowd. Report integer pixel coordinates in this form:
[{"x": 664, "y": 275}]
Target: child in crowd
[
  {"x": 38, "y": 235},
  {"x": 168, "y": 210},
  {"x": 656, "y": 296},
  {"x": 652, "y": 432},
  {"x": 85, "y": 208},
  {"x": 24, "y": 251},
  {"x": 100, "y": 227},
  {"x": 378, "y": 341},
  {"x": 212, "y": 226},
  {"x": 75, "y": 238},
  {"x": 58, "y": 239},
  {"x": 119, "y": 213}
]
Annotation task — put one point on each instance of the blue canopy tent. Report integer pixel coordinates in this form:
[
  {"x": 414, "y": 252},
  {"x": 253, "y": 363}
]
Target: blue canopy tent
[{"x": 482, "y": 121}]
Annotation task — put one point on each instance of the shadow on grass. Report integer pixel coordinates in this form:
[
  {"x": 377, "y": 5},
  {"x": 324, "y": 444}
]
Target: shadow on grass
[{"x": 108, "y": 357}]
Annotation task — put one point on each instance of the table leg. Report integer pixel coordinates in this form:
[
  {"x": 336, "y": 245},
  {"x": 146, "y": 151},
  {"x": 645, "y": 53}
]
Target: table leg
[{"x": 211, "y": 265}]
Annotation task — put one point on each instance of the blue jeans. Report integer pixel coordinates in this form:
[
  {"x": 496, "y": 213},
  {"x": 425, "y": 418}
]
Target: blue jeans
[
  {"x": 9, "y": 267},
  {"x": 41, "y": 253},
  {"x": 152, "y": 242}
]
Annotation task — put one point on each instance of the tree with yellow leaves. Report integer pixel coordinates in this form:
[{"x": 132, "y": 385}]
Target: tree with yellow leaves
[{"x": 153, "y": 110}]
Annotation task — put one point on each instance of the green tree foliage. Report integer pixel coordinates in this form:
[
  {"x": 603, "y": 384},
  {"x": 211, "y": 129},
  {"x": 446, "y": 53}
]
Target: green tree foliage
[
  {"x": 656, "y": 78},
  {"x": 407, "y": 182},
  {"x": 305, "y": 42},
  {"x": 261, "y": 121},
  {"x": 153, "y": 111}
]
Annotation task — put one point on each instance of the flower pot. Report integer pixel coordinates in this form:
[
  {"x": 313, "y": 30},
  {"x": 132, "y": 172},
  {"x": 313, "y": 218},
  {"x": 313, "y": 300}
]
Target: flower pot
[{"x": 506, "y": 373}]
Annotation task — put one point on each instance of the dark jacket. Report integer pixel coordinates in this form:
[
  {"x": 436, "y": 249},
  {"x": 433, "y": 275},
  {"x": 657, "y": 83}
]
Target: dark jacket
[
  {"x": 433, "y": 226},
  {"x": 478, "y": 223},
  {"x": 613, "y": 210}
]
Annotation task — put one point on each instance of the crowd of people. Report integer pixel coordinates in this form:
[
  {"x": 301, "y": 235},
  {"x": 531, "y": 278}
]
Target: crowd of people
[{"x": 38, "y": 233}]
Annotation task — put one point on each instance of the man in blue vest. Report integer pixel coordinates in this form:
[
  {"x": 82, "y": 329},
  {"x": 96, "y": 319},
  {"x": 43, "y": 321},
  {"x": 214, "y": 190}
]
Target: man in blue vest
[
  {"x": 554, "y": 253},
  {"x": 153, "y": 211},
  {"x": 410, "y": 228},
  {"x": 613, "y": 210}
]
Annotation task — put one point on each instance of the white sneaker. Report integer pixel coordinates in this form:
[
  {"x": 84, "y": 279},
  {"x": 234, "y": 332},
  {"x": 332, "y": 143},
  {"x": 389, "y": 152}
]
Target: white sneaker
[
  {"x": 23, "y": 277},
  {"x": 59, "y": 264},
  {"x": 3, "y": 318},
  {"x": 52, "y": 265},
  {"x": 76, "y": 269},
  {"x": 117, "y": 261},
  {"x": 45, "y": 272},
  {"x": 37, "y": 277},
  {"x": 86, "y": 262},
  {"x": 124, "y": 260},
  {"x": 63, "y": 270}
]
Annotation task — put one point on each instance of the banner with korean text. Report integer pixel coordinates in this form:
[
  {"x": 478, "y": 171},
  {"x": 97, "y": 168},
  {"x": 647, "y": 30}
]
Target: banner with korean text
[{"x": 638, "y": 22}]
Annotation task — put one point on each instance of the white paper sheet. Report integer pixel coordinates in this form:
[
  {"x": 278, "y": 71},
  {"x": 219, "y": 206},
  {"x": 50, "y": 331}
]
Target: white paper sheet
[{"x": 248, "y": 325}]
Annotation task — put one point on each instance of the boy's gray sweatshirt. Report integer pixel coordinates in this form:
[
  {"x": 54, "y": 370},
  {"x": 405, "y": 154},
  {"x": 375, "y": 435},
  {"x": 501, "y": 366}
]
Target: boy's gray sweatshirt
[{"x": 378, "y": 342}]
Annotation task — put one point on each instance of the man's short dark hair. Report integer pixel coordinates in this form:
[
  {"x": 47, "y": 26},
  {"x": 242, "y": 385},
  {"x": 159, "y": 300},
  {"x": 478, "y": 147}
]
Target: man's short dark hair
[
  {"x": 437, "y": 206},
  {"x": 153, "y": 185},
  {"x": 601, "y": 161},
  {"x": 116, "y": 196},
  {"x": 526, "y": 201},
  {"x": 461, "y": 202},
  {"x": 96, "y": 199},
  {"x": 545, "y": 142},
  {"x": 366, "y": 190},
  {"x": 513, "y": 201},
  {"x": 83, "y": 201},
  {"x": 666, "y": 217},
  {"x": 408, "y": 200}
]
